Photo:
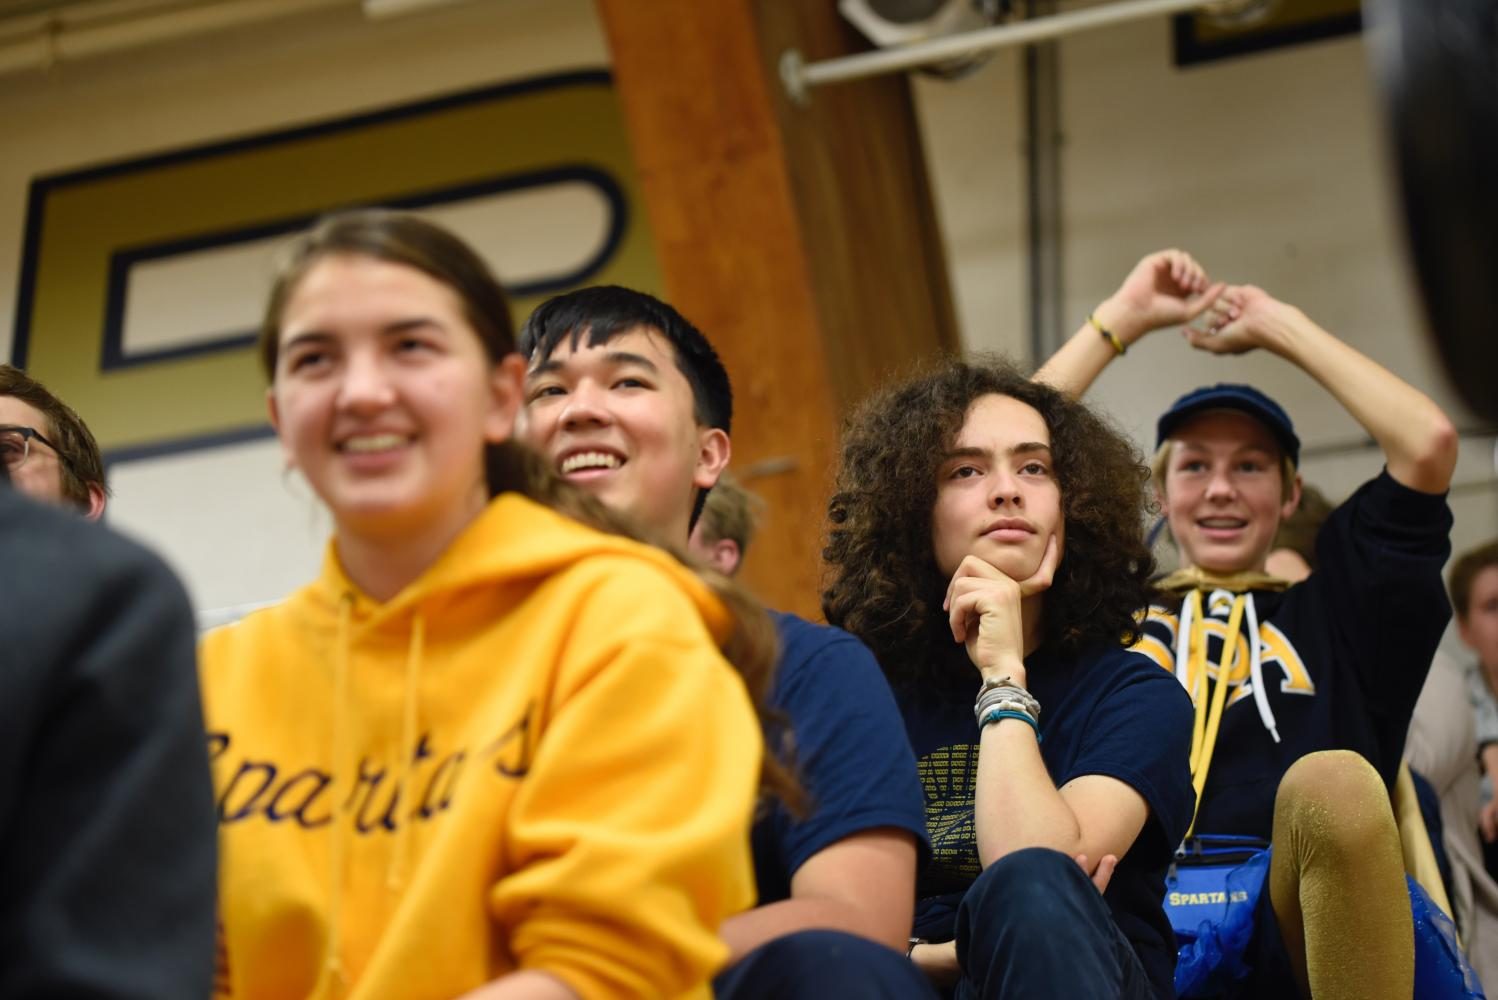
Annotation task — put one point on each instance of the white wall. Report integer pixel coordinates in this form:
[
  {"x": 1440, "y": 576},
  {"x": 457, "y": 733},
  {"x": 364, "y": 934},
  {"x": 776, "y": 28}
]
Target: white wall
[{"x": 1268, "y": 168}]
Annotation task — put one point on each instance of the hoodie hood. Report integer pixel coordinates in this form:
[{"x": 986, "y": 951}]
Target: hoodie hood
[{"x": 513, "y": 542}]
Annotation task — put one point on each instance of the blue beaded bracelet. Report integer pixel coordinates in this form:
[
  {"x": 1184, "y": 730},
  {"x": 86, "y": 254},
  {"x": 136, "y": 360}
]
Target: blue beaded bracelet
[{"x": 1002, "y": 713}]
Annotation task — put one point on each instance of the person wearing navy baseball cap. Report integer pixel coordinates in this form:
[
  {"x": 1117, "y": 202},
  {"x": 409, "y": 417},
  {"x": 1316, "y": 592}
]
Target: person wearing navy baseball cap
[{"x": 1303, "y": 692}]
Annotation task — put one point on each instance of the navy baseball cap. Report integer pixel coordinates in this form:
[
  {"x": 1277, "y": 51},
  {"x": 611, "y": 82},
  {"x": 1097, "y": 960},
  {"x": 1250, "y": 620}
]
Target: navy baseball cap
[{"x": 1232, "y": 396}]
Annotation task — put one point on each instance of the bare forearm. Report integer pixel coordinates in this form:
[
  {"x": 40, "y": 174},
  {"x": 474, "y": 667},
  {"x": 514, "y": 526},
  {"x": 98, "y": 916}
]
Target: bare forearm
[
  {"x": 1016, "y": 804},
  {"x": 1417, "y": 438},
  {"x": 1166, "y": 288},
  {"x": 747, "y": 931},
  {"x": 1080, "y": 361}
]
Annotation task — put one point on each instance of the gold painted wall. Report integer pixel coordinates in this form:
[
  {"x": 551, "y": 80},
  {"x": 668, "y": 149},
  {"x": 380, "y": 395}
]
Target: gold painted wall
[{"x": 82, "y": 223}]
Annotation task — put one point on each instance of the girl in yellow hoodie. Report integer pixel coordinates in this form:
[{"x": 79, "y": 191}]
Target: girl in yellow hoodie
[{"x": 490, "y": 753}]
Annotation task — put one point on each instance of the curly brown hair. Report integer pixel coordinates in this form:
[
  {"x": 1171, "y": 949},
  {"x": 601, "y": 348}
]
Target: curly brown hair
[{"x": 882, "y": 582}]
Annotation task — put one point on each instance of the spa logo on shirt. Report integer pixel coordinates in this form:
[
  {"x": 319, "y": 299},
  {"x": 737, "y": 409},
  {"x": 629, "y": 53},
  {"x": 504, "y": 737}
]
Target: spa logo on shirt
[
  {"x": 251, "y": 787},
  {"x": 1276, "y": 652}
]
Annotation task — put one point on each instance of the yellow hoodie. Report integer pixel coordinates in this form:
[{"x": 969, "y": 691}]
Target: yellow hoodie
[{"x": 533, "y": 757}]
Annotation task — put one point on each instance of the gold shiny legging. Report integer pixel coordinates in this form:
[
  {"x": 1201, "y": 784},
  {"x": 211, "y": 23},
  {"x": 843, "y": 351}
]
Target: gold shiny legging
[{"x": 1336, "y": 881}]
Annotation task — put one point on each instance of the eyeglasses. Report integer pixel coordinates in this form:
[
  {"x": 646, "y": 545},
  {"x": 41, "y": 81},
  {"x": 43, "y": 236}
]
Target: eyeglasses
[{"x": 15, "y": 445}]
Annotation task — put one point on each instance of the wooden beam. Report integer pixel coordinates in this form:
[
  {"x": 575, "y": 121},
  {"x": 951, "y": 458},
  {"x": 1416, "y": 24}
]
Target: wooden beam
[{"x": 802, "y": 241}]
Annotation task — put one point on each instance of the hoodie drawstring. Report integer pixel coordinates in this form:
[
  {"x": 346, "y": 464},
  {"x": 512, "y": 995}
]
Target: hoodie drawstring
[
  {"x": 1191, "y": 655},
  {"x": 1208, "y": 698},
  {"x": 405, "y": 818},
  {"x": 1256, "y": 672},
  {"x": 332, "y": 961},
  {"x": 1209, "y": 720}
]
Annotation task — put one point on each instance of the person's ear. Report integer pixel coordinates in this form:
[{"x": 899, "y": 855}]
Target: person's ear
[
  {"x": 1292, "y": 502},
  {"x": 506, "y": 396},
  {"x": 273, "y": 411},
  {"x": 713, "y": 452},
  {"x": 725, "y": 556},
  {"x": 96, "y": 500},
  {"x": 1464, "y": 630}
]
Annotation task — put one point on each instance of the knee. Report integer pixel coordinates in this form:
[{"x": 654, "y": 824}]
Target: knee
[
  {"x": 1334, "y": 801},
  {"x": 1024, "y": 883},
  {"x": 820, "y": 963}
]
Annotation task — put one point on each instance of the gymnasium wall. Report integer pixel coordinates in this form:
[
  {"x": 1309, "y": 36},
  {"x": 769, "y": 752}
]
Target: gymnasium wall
[{"x": 1266, "y": 167}]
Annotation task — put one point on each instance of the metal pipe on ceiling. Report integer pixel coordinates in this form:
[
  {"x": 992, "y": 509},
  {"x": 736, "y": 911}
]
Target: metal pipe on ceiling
[
  {"x": 66, "y": 35},
  {"x": 799, "y": 76}
]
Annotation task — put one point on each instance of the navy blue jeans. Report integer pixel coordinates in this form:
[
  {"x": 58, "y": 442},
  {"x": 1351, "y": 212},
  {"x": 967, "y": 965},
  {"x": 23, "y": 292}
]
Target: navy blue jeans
[
  {"x": 1033, "y": 925},
  {"x": 822, "y": 965}
]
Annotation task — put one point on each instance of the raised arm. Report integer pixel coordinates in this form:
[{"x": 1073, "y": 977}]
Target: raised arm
[
  {"x": 1417, "y": 438},
  {"x": 1167, "y": 288}
]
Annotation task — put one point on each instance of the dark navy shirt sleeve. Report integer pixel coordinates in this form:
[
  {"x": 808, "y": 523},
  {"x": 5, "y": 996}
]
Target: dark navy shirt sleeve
[
  {"x": 1378, "y": 577},
  {"x": 850, "y": 749},
  {"x": 1139, "y": 732}
]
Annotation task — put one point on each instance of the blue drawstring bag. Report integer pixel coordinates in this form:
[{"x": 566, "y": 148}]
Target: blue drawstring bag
[
  {"x": 1211, "y": 891},
  {"x": 1210, "y": 896},
  {"x": 1441, "y": 970}
]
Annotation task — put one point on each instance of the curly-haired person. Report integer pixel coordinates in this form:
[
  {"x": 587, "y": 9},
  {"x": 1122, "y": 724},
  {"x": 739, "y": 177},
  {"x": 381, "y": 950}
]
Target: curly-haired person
[{"x": 985, "y": 538}]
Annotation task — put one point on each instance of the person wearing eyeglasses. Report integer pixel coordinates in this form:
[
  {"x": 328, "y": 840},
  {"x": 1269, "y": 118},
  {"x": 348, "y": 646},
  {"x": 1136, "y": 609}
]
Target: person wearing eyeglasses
[{"x": 46, "y": 448}]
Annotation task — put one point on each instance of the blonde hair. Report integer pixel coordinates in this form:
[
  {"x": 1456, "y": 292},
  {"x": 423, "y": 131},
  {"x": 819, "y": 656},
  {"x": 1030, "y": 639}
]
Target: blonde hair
[
  {"x": 1160, "y": 464},
  {"x": 731, "y": 512}
]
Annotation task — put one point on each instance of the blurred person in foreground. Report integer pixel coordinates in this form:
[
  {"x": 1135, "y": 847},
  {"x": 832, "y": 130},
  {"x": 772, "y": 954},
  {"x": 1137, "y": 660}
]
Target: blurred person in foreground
[{"x": 106, "y": 808}]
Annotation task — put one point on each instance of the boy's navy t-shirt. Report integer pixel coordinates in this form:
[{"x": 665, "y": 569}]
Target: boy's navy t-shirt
[
  {"x": 1105, "y": 711},
  {"x": 850, "y": 751}
]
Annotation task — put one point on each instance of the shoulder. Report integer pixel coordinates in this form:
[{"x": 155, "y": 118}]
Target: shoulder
[
  {"x": 44, "y": 544},
  {"x": 803, "y": 641},
  {"x": 574, "y": 567},
  {"x": 1135, "y": 678},
  {"x": 1157, "y": 636},
  {"x": 254, "y": 631},
  {"x": 823, "y": 656},
  {"x": 85, "y": 608},
  {"x": 633, "y": 589},
  {"x": 632, "y": 613},
  {"x": 58, "y": 572},
  {"x": 1122, "y": 665}
]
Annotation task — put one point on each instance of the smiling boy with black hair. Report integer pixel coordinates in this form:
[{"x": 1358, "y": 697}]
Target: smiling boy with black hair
[{"x": 632, "y": 404}]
